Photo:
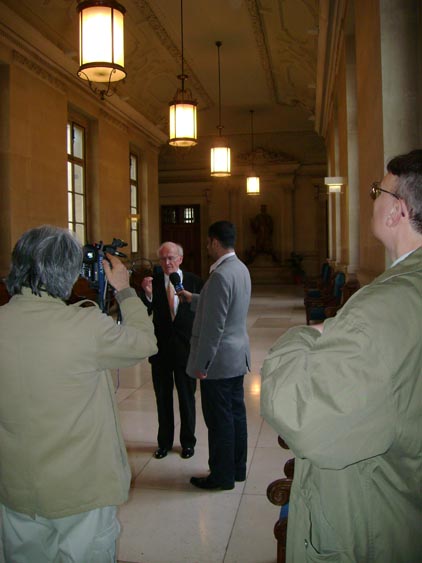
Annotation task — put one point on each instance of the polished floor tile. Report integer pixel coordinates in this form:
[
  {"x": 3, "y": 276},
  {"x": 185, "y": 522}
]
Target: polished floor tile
[
  {"x": 173, "y": 527},
  {"x": 166, "y": 519},
  {"x": 252, "y": 539}
]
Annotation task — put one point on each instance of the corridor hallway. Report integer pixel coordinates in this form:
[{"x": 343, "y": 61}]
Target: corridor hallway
[{"x": 167, "y": 520}]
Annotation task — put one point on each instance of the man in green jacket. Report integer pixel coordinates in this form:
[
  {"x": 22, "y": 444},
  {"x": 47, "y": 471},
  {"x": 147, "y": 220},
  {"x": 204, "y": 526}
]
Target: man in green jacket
[
  {"x": 63, "y": 463},
  {"x": 346, "y": 396}
]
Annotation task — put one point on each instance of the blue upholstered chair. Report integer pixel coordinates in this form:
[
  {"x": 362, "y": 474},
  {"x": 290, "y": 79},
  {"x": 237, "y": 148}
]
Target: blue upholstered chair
[
  {"x": 315, "y": 306},
  {"x": 313, "y": 286}
]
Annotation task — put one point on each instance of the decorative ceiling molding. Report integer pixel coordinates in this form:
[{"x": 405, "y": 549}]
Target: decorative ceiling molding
[
  {"x": 330, "y": 47},
  {"x": 38, "y": 67},
  {"x": 261, "y": 156},
  {"x": 274, "y": 39},
  {"x": 258, "y": 29},
  {"x": 291, "y": 54},
  {"x": 150, "y": 16}
]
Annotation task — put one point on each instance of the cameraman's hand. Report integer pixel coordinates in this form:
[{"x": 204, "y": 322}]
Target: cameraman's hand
[
  {"x": 117, "y": 274},
  {"x": 147, "y": 286}
]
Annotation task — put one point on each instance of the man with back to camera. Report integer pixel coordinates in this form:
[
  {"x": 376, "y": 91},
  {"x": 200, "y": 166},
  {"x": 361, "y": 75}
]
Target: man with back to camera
[
  {"x": 63, "y": 462},
  {"x": 220, "y": 357},
  {"x": 346, "y": 396},
  {"x": 173, "y": 321}
]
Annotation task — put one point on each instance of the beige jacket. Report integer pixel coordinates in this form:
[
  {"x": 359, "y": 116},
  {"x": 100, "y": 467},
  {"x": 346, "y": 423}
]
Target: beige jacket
[
  {"x": 61, "y": 448},
  {"x": 349, "y": 404}
]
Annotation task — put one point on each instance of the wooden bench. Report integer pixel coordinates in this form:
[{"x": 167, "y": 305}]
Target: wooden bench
[{"x": 278, "y": 493}]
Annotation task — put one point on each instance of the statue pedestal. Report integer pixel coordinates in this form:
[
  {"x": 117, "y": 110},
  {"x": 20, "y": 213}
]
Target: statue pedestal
[{"x": 264, "y": 270}]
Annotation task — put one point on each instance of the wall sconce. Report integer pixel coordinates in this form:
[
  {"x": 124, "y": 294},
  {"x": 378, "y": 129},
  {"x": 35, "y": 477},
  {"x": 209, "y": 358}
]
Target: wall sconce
[
  {"x": 101, "y": 43},
  {"x": 334, "y": 183},
  {"x": 182, "y": 123},
  {"x": 252, "y": 181},
  {"x": 220, "y": 152}
]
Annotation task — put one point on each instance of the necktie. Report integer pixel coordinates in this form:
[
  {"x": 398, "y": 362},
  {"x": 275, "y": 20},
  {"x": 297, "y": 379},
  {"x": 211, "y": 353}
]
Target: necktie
[{"x": 170, "y": 298}]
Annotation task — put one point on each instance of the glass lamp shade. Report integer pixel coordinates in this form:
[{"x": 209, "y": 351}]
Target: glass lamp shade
[
  {"x": 252, "y": 185},
  {"x": 101, "y": 41},
  {"x": 220, "y": 161},
  {"x": 183, "y": 123}
]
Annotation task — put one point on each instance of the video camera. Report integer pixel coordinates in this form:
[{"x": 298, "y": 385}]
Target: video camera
[
  {"x": 92, "y": 265},
  {"x": 93, "y": 255}
]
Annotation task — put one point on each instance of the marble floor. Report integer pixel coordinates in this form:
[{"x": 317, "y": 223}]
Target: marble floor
[{"x": 167, "y": 520}]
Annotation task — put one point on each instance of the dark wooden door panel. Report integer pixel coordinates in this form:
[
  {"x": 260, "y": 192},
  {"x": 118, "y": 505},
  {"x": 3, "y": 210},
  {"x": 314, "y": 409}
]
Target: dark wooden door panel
[{"x": 181, "y": 224}]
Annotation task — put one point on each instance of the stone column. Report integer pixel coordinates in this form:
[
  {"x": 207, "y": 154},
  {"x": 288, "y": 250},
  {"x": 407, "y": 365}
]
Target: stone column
[
  {"x": 400, "y": 70},
  {"x": 337, "y": 205},
  {"x": 400, "y": 67},
  {"x": 352, "y": 155},
  {"x": 331, "y": 223}
]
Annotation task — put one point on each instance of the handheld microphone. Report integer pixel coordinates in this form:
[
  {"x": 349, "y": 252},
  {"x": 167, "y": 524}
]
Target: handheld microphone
[{"x": 176, "y": 281}]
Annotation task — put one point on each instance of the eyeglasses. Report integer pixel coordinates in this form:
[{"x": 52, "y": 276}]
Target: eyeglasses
[
  {"x": 376, "y": 191},
  {"x": 168, "y": 258}
]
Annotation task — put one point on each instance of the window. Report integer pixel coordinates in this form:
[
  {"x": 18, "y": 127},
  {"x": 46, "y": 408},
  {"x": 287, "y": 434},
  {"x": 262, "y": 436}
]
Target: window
[
  {"x": 134, "y": 204},
  {"x": 76, "y": 193},
  {"x": 189, "y": 215},
  {"x": 179, "y": 214}
]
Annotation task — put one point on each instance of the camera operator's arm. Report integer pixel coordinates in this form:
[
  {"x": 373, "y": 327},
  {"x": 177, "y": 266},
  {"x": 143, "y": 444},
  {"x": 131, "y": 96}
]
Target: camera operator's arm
[
  {"x": 117, "y": 274},
  {"x": 133, "y": 340}
]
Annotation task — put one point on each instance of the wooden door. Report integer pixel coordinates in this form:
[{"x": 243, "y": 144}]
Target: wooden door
[{"x": 181, "y": 224}]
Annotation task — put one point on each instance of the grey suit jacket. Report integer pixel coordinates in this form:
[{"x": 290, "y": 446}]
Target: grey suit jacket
[{"x": 220, "y": 342}]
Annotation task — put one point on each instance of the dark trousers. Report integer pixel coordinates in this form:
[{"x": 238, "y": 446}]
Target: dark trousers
[
  {"x": 164, "y": 378},
  {"x": 224, "y": 411}
]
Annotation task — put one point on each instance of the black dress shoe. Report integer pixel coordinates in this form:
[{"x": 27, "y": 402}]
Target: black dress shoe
[
  {"x": 160, "y": 453},
  {"x": 207, "y": 483},
  {"x": 187, "y": 453}
]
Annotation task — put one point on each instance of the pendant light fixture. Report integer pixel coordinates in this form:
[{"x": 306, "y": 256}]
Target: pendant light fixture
[
  {"x": 252, "y": 181},
  {"x": 220, "y": 152},
  {"x": 101, "y": 44},
  {"x": 183, "y": 108}
]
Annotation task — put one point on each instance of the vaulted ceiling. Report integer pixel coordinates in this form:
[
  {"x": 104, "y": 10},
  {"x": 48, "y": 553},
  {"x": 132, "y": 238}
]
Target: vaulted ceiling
[{"x": 268, "y": 61}]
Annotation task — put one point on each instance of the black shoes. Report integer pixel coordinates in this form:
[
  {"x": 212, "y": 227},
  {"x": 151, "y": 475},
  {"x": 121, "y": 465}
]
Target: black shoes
[
  {"x": 187, "y": 453},
  {"x": 208, "y": 484},
  {"x": 160, "y": 453}
]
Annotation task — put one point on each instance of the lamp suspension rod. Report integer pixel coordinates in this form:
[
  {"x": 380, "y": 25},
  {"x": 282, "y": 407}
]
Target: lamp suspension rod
[
  {"x": 218, "y": 43},
  {"x": 251, "y": 130},
  {"x": 182, "y": 46}
]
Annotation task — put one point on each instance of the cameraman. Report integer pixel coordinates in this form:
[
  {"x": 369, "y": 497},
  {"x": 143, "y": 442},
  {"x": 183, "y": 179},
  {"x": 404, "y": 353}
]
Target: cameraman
[{"x": 63, "y": 462}]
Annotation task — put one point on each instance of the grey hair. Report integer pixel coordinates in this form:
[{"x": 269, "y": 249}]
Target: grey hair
[
  {"x": 178, "y": 246},
  {"x": 409, "y": 189},
  {"x": 45, "y": 258},
  {"x": 408, "y": 170}
]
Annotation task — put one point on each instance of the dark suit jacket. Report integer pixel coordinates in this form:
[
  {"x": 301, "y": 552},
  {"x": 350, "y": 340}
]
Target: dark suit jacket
[{"x": 173, "y": 337}]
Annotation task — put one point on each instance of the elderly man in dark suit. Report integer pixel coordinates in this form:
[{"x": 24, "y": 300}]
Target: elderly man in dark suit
[
  {"x": 173, "y": 321},
  {"x": 220, "y": 357}
]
